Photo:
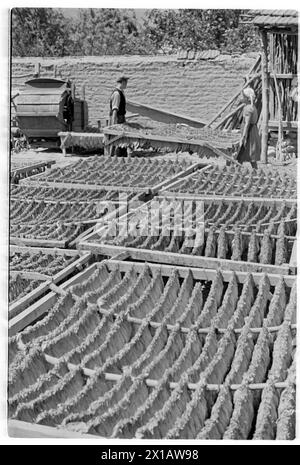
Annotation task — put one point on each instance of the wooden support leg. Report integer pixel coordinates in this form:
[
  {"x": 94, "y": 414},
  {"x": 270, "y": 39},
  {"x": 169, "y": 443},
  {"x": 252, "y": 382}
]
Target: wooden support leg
[
  {"x": 265, "y": 99},
  {"x": 62, "y": 145},
  {"x": 106, "y": 147}
]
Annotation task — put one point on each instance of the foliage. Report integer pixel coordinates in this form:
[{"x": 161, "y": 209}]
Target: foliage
[
  {"x": 103, "y": 32},
  {"x": 46, "y": 32},
  {"x": 170, "y": 30},
  {"x": 39, "y": 32}
]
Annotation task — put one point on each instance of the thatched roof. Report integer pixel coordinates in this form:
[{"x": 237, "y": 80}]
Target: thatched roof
[{"x": 273, "y": 18}]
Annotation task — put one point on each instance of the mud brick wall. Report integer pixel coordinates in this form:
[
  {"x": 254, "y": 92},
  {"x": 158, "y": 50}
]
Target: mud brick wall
[{"x": 197, "y": 88}]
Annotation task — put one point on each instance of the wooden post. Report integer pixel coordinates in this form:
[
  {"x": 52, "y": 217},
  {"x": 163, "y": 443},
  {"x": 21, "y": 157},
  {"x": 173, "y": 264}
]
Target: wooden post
[
  {"x": 107, "y": 151},
  {"x": 280, "y": 135},
  {"x": 265, "y": 97},
  {"x": 37, "y": 69}
]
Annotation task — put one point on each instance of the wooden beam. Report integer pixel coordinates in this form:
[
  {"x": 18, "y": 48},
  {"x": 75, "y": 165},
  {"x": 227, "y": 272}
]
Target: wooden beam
[
  {"x": 207, "y": 274},
  {"x": 219, "y": 198},
  {"x": 177, "y": 177},
  {"x": 131, "y": 135},
  {"x": 177, "y": 259},
  {"x": 37, "y": 242},
  {"x": 34, "y": 166},
  {"x": 34, "y": 311},
  {"x": 178, "y": 181},
  {"x": 280, "y": 135},
  {"x": 249, "y": 78},
  {"x": 21, "y": 304},
  {"x": 153, "y": 382},
  {"x": 87, "y": 187},
  {"x": 46, "y": 250},
  {"x": 186, "y": 330},
  {"x": 163, "y": 116},
  {"x": 265, "y": 98}
]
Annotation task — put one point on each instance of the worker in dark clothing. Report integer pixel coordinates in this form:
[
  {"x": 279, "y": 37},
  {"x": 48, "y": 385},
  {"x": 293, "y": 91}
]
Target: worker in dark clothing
[
  {"x": 117, "y": 112},
  {"x": 118, "y": 102}
]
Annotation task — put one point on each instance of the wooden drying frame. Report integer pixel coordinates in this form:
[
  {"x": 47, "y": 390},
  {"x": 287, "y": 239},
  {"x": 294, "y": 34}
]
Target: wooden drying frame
[
  {"x": 21, "y": 306},
  {"x": 52, "y": 243},
  {"x": 87, "y": 243},
  {"x": 166, "y": 271},
  {"x": 176, "y": 259},
  {"x": 175, "y": 143},
  {"x": 46, "y": 250},
  {"x": 20, "y": 241},
  {"x": 166, "y": 194},
  {"x": 42, "y": 306},
  {"x": 167, "y": 191},
  {"x": 67, "y": 139},
  {"x": 36, "y": 182},
  {"x": 23, "y": 429},
  {"x": 29, "y": 168}
]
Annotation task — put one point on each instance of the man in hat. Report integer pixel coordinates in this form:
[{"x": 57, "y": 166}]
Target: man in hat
[{"x": 117, "y": 102}]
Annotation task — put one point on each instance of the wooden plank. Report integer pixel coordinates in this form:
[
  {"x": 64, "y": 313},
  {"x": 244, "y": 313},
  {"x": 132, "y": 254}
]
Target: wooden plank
[
  {"x": 33, "y": 166},
  {"x": 163, "y": 116},
  {"x": 22, "y": 429},
  {"x": 78, "y": 264},
  {"x": 186, "y": 330},
  {"x": 62, "y": 202},
  {"x": 97, "y": 187},
  {"x": 46, "y": 250},
  {"x": 249, "y": 79},
  {"x": 280, "y": 135},
  {"x": 58, "y": 290},
  {"x": 34, "y": 311},
  {"x": 42, "y": 306},
  {"x": 37, "y": 242},
  {"x": 158, "y": 138},
  {"x": 24, "y": 302},
  {"x": 219, "y": 198},
  {"x": 31, "y": 313},
  {"x": 178, "y": 181},
  {"x": 153, "y": 382},
  {"x": 184, "y": 260},
  {"x": 206, "y": 274},
  {"x": 265, "y": 98},
  {"x": 112, "y": 141},
  {"x": 164, "y": 141},
  {"x": 179, "y": 176}
]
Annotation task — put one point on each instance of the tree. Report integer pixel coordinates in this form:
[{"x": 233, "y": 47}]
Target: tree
[
  {"x": 170, "y": 30},
  {"x": 104, "y": 32},
  {"x": 39, "y": 32},
  {"x": 109, "y": 31}
]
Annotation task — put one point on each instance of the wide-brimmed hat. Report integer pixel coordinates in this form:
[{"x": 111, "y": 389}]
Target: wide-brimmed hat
[{"x": 122, "y": 78}]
